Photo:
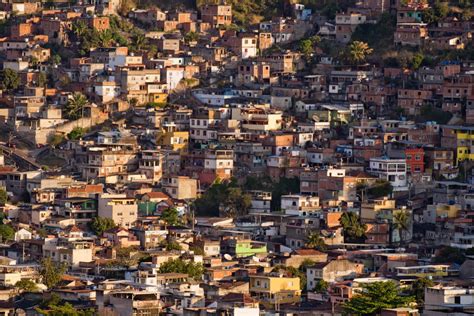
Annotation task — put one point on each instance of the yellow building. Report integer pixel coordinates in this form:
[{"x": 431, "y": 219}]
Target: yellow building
[
  {"x": 174, "y": 140},
  {"x": 370, "y": 209},
  {"x": 464, "y": 142},
  {"x": 440, "y": 211},
  {"x": 160, "y": 98},
  {"x": 273, "y": 290}
]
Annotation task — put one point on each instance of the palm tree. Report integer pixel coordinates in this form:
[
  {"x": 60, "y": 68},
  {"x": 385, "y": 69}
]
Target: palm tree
[
  {"x": 401, "y": 222},
  {"x": 353, "y": 229},
  {"x": 315, "y": 241},
  {"x": 358, "y": 52},
  {"x": 140, "y": 42},
  {"x": 79, "y": 28},
  {"x": 75, "y": 106},
  {"x": 105, "y": 38}
]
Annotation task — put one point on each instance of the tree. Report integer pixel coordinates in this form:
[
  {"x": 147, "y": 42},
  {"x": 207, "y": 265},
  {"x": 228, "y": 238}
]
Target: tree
[
  {"x": 374, "y": 297},
  {"x": 193, "y": 269},
  {"x": 353, "y": 229},
  {"x": 171, "y": 216},
  {"x": 321, "y": 286},
  {"x": 79, "y": 28},
  {"x": 401, "y": 222},
  {"x": 126, "y": 6},
  {"x": 418, "y": 289},
  {"x": 75, "y": 106},
  {"x": 449, "y": 254},
  {"x": 26, "y": 285},
  {"x": 305, "y": 46},
  {"x": 191, "y": 37},
  {"x": 101, "y": 224},
  {"x": 441, "y": 9},
  {"x": 236, "y": 203},
  {"x": 42, "y": 79},
  {"x": 6, "y": 232},
  {"x": 314, "y": 241},
  {"x": 3, "y": 196},
  {"x": 417, "y": 60},
  {"x": 9, "y": 79},
  {"x": 56, "y": 307},
  {"x": 358, "y": 52},
  {"x": 51, "y": 272},
  {"x": 76, "y": 133},
  {"x": 105, "y": 38},
  {"x": 55, "y": 140},
  {"x": 55, "y": 59},
  {"x": 140, "y": 42},
  {"x": 380, "y": 188}
]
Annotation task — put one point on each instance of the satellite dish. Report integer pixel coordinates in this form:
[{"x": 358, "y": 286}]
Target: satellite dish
[
  {"x": 316, "y": 118},
  {"x": 227, "y": 257}
]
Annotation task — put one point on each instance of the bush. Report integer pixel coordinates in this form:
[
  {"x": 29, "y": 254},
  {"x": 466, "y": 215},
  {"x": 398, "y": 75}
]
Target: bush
[{"x": 76, "y": 133}]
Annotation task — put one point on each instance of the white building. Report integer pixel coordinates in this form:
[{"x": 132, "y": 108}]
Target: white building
[
  {"x": 392, "y": 170},
  {"x": 300, "y": 205},
  {"x": 261, "y": 201},
  {"x": 448, "y": 300}
]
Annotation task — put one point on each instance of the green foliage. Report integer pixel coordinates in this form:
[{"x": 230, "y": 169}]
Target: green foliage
[
  {"x": 191, "y": 37},
  {"x": 439, "y": 11},
  {"x": 171, "y": 245},
  {"x": 246, "y": 12},
  {"x": 76, "y": 133},
  {"x": 418, "y": 289},
  {"x": 101, "y": 224},
  {"x": 7, "y": 233},
  {"x": 449, "y": 254},
  {"x": 417, "y": 60},
  {"x": 51, "y": 272},
  {"x": 3, "y": 196},
  {"x": 374, "y": 297},
  {"x": 314, "y": 241},
  {"x": 197, "y": 250},
  {"x": 9, "y": 79},
  {"x": 432, "y": 113},
  {"x": 56, "y": 139},
  {"x": 378, "y": 36},
  {"x": 127, "y": 256},
  {"x": 55, "y": 59},
  {"x": 357, "y": 52},
  {"x": 380, "y": 189},
  {"x": 284, "y": 186},
  {"x": 236, "y": 203},
  {"x": 305, "y": 46},
  {"x": 42, "y": 79},
  {"x": 401, "y": 222},
  {"x": 171, "y": 216},
  {"x": 75, "y": 106},
  {"x": 139, "y": 42},
  {"x": 321, "y": 286},
  {"x": 156, "y": 105},
  {"x": 25, "y": 285},
  {"x": 354, "y": 231},
  {"x": 193, "y": 269},
  {"x": 223, "y": 195},
  {"x": 56, "y": 307}
]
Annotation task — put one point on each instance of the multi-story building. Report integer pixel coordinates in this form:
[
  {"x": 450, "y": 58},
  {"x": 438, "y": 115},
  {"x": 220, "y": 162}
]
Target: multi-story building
[
  {"x": 274, "y": 290},
  {"x": 216, "y": 14},
  {"x": 118, "y": 207},
  {"x": 392, "y": 170}
]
